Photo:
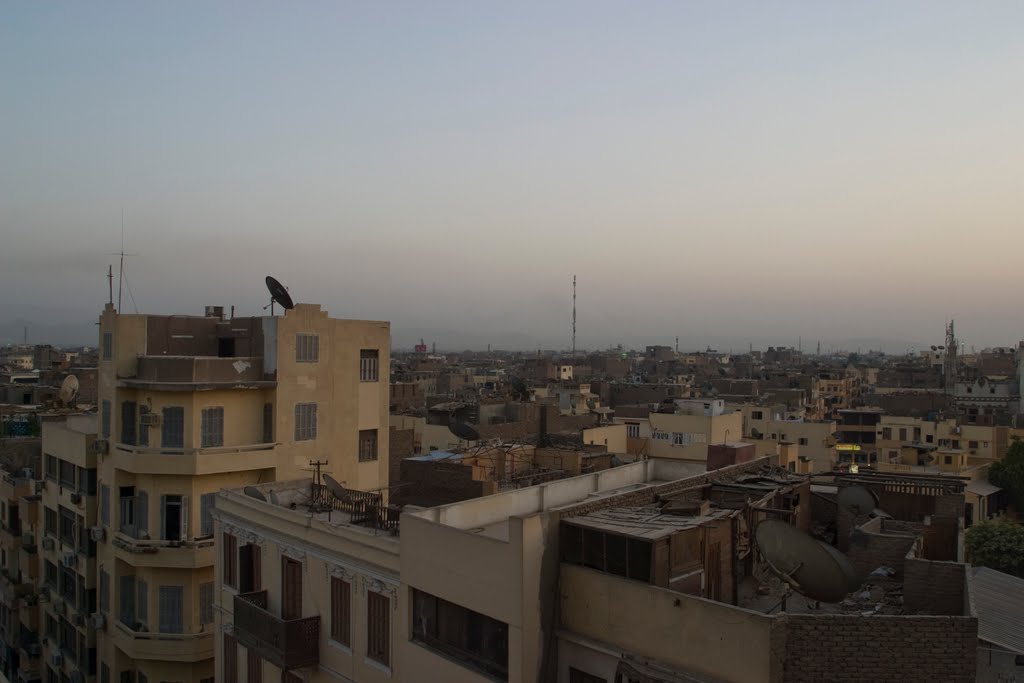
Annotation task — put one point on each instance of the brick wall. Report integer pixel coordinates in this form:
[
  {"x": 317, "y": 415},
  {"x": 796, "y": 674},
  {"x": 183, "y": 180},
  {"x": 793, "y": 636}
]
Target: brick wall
[
  {"x": 432, "y": 483},
  {"x": 874, "y": 545},
  {"x": 400, "y": 446},
  {"x": 879, "y": 649},
  {"x": 934, "y": 587}
]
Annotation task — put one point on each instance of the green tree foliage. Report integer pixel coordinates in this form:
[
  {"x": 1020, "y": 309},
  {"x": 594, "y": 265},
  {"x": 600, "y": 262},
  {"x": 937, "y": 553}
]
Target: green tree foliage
[
  {"x": 1008, "y": 474},
  {"x": 997, "y": 545}
]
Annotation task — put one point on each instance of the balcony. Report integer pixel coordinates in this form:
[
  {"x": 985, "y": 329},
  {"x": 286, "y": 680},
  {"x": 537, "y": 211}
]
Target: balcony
[
  {"x": 190, "y": 373},
  {"x": 194, "y": 461},
  {"x": 137, "y": 552},
  {"x": 287, "y": 644},
  {"x": 180, "y": 647}
]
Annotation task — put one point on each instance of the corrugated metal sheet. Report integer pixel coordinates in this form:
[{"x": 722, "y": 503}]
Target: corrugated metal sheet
[
  {"x": 999, "y": 601},
  {"x": 982, "y": 488}
]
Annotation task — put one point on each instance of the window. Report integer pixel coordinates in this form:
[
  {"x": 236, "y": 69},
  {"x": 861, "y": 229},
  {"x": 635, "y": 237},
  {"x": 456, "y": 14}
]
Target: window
[
  {"x": 142, "y": 602},
  {"x": 172, "y": 427},
  {"x": 367, "y": 445},
  {"x": 66, "y": 531},
  {"x": 211, "y": 427},
  {"x": 126, "y": 597},
  {"x": 230, "y": 560},
  {"x": 887, "y": 433},
  {"x": 341, "y": 596},
  {"x": 577, "y": 676},
  {"x": 949, "y": 460},
  {"x": 756, "y": 415},
  {"x": 105, "y": 504},
  {"x": 255, "y": 666},
  {"x": 206, "y": 502},
  {"x": 206, "y": 603},
  {"x": 128, "y": 422},
  {"x": 87, "y": 481},
  {"x": 104, "y": 673},
  {"x": 172, "y": 517},
  {"x": 307, "y": 348},
  {"x": 469, "y": 637},
  {"x": 378, "y": 627},
  {"x": 802, "y": 441},
  {"x": 104, "y": 591},
  {"x": 108, "y": 345},
  {"x": 291, "y": 588},
  {"x": 51, "y": 468},
  {"x": 268, "y": 423},
  {"x": 171, "y": 600},
  {"x": 105, "y": 418},
  {"x": 929, "y": 438},
  {"x": 67, "y": 474},
  {"x": 368, "y": 365},
  {"x": 127, "y": 500},
  {"x": 250, "y": 568},
  {"x": 143, "y": 427},
  {"x": 50, "y": 521},
  {"x": 972, "y": 444},
  {"x": 305, "y": 421},
  {"x": 632, "y": 430},
  {"x": 903, "y": 433},
  {"x": 51, "y": 574},
  {"x": 230, "y": 660}
]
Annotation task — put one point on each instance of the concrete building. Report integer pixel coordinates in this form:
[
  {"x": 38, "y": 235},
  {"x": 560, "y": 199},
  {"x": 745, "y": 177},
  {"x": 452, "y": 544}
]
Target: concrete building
[
  {"x": 188, "y": 406},
  {"x": 686, "y": 437}
]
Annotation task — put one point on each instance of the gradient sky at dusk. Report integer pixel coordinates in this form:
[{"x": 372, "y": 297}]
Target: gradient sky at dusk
[{"x": 714, "y": 170}]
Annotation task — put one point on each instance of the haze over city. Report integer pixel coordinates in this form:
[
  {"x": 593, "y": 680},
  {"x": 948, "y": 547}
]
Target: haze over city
[{"x": 721, "y": 172}]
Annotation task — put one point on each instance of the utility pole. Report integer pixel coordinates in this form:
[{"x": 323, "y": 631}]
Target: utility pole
[{"x": 574, "y": 317}]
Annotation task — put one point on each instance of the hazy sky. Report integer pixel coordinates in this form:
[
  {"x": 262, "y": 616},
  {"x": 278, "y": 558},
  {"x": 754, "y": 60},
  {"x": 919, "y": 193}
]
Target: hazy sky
[{"x": 716, "y": 170}]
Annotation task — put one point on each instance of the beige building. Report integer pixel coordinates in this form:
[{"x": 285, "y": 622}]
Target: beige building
[
  {"x": 686, "y": 437},
  {"x": 190, "y": 406}
]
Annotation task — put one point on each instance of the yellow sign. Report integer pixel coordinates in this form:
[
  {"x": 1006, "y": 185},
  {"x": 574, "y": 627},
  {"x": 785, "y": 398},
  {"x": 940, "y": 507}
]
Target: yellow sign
[{"x": 847, "y": 447}]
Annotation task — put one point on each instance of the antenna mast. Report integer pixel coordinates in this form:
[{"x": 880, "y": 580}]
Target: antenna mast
[
  {"x": 120, "y": 272},
  {"x": 574, "y": 317},
  {"x": 110, "y": 282}
]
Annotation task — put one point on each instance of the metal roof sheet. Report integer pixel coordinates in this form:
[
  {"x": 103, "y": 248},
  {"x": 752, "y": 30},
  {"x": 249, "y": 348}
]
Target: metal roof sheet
[
  {"x": 999, "y": 602},
  {"x": 982, "y": 488}
]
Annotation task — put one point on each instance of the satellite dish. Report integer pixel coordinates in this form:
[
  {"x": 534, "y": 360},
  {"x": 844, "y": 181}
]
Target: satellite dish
[
  {"x": 803, "y": 562},
  {"x": 856, "y": 500},
  {"x": 336, "y": 489},
  {"x": 279, "y": 294},
  {"x": 853, "y": 582},
  {"x": 69, "y": 389},
  {"x": 254, "y": 492},
  {"x": 463, "y": 431},
  {"x": 274, "y": 500}
]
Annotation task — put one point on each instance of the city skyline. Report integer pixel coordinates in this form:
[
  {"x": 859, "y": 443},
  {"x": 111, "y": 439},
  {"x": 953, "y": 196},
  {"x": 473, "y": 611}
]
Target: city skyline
[{"x": 840, "y": 172}]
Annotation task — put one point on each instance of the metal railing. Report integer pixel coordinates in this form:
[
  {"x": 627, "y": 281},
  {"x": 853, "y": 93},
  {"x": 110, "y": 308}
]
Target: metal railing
[
  {"x": 364, "y": 507},
  {"x": 285, "y": 643}
]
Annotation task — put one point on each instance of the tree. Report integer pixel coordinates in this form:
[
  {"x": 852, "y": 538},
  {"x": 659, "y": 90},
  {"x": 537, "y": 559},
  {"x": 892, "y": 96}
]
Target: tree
[
  {"x": 997, "y": 545},
  {"x": 1008, "y": 474}
]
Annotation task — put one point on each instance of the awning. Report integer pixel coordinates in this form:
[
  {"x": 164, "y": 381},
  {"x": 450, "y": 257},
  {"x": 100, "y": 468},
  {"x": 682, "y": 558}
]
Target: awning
[{"x": 982, "y": 488}]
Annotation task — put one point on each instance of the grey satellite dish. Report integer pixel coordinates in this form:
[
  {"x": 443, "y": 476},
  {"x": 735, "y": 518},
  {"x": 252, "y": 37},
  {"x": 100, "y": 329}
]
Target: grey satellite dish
[
  {"x": 69, "y": 389},
  {"x": 336, "y": 489},
  {"x": 853, "y": 582},
  {"x": 803, "y": 562},
  {"x": 274, "y": 500},
  {"x": 463, "y": 431},
  {"x": 254, "y": 492},
  {"x": 856, "y": 500},
  {"x": 279, "y": 294}
]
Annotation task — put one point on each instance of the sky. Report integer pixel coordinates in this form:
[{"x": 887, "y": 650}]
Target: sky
[{"x": 719, "y": 171}]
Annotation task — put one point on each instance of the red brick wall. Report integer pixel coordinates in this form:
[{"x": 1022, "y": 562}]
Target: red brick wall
[
  {"x": 934, "y": 587},
  {"x": 873, "y": 546}
]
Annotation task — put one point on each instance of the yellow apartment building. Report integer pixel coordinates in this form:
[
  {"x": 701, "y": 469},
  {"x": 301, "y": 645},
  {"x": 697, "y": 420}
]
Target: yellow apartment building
[{"x": 686, "y": 437}]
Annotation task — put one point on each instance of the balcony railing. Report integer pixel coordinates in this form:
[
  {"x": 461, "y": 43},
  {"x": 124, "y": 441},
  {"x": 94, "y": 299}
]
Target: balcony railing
[
  {"x": 365, "y": 507},
  {"x": 287, "y": 644}
]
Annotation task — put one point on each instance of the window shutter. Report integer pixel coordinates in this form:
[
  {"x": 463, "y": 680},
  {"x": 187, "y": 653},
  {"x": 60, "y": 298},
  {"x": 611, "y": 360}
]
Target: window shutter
[
  {"x": 184, "y": 518},
  {"x": 142, "y": 608},
  {"x": 163, "y": 518},
  {"x": 206, "y": 514},
  {"x": 142, "y": 513}
]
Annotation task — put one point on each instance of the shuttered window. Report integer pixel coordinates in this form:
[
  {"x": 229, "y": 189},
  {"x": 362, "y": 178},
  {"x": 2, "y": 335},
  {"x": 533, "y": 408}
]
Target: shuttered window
[
  {"x": 211, "y": 427},
  {"x": 230, "y": 660},
  {"x": 291, "y": 588},
  {"x": 305, "y": 421},
  {"x": 104, "y": 591},
  {"x": 369, "y": 365},
  {"x": 143, "y": 426},
  {"x": 341, "y": 597},
  {"x": 105, "y": 418},
  {"x": 142, "y": 602},
  {"x": 268, "y": 423},
  {"x": 367, "y": 445},
  {"x": 378, "y": 627},
  {"x": 126, "y": 598},
  {"x": 230, "y": 560},
  {"x": 307, "y": 348},
  {"x": 108, "y": 345},
  {"x": 171, "y": 608},
  {"x": 206, "y": 603},
  {"x": 128, "y": 422},
  {"x": 105, "y": 504},
  {"x": 172, "y": 427},
  {"x": 206, "y": 502},
  {"x": 255, "y": 666},
  {"x": 142, "y": 513}
]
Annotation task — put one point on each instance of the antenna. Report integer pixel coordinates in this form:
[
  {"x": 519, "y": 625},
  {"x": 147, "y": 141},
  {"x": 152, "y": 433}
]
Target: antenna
[
  {"x": 110, "y": 283},
  {"x": 574, "y": 317},
  {"x": 316, "y": 465},
  {"x": 810, "y": 567}
]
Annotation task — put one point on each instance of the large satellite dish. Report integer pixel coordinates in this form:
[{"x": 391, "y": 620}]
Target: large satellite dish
[
  {"x": 853, "y": 581},
  {"x": 69, "y": 389},
  {"x": 279, "y": 294},
  {"x": 336, "y": 489},
  {"x": 856, "y": 500},
  {"x": 254, "y": 492},
  {"x": 463, "y": 431},
  {"x": 803, "y": 562}
]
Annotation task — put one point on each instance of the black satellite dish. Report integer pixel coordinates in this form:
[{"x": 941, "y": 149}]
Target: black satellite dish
[
  {"x": 279, "y": 294},
  {"x": 807, "y": 565},
  {"x": 254, "y": 492},
  {"x": 463, "y": 431}
]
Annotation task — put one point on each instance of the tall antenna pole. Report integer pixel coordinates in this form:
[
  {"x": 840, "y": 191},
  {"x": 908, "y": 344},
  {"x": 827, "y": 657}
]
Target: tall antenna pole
[
  {"x": 120, "y": 273},
  {"x": 574, "y": 317},
  {"x": 110, "y": 282}
]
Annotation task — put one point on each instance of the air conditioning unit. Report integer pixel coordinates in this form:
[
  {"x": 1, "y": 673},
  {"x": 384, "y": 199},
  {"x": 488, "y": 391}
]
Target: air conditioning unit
[
  {"x": 100, "y": 446},
  {"x": 76, "y": 498},
  {"x": 149, "y": 419},
  {"x": 34, "y": 650},
  {"x": 98, "y": 620},
  {"x": 48, "y": 543},
  {"x": 28, "y": 473},
  {"x": 44, "y": 594},
  {"x": 28, "y": 539},
  {"x": 57, "y": 660},
  {"x": 40, "y": 485},
  {"x": 58, "y": 606},
  {"x": 98, "y": 534},
  {"x": 79, "y": 619},
  {"x": 69, "y": 558}
]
